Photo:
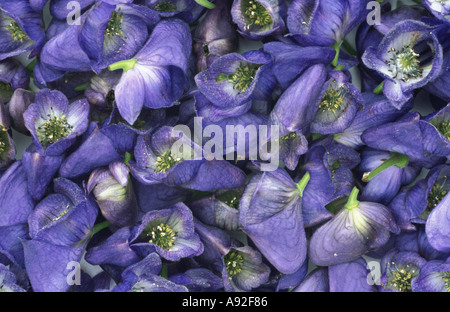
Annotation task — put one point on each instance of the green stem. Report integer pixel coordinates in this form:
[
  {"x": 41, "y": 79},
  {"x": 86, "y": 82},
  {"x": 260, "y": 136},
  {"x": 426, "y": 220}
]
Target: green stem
[
  {"x": 396, "y": 159},
  {"x": 379, "y": 88},
  {"x": 303, "y": 183},
  {"x": 352, "y": 201},
  {"x": 206, "y": 4},
  {"x": 30, "y": 67},
  {"x": 127, "y": 158},
  {"x": 125, "y": 65},
  {"x": 336, "y": 47},
  {"x": 349, "y": 48},
  {"x": 164, "y": 271},
  {"x": 97, "y": 228}
]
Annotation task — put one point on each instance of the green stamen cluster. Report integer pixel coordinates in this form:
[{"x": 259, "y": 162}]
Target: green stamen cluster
[
  {"x": 5, "y": 87},
  {"x": 165, "y": 6},
  {"x": 3, "y": 140},
  {"x": 161, "y": 235},
  {"x": 230, "y": 198},
  {"x": 165, "y": 162},
  {"x": 435, "y": 196},
  {"x": 332, "y": 100},
  {"x": 291, "y": 135},
  {"x": 114, "y": 27},
  {"x": 446, "y": 279},
  {"x": 110, "y": 98},
  {"x": 400, "y": 278},
  {"x": 17, "y": 34},
  {"x": 405, "y": 64},
  {"x": 233, "y": 262},
  {"x": 255, "y": 13},
  {"x": 53, "y": 129},
  {"x": 444, "y": 128},
  {"x": 242, "y": 78}
]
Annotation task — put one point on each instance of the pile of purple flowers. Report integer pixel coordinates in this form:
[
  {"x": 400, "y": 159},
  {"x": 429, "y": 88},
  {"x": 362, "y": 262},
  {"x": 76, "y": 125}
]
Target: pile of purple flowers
[{"x": 358, "y": 91}]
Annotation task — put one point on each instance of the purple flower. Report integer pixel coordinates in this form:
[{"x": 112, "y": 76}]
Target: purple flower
[
  {"x": 257, "y": 19},
  {"x": 156, "y": 76},
  {"x": 12, "y": 76},
  {"x": 187, "y": 10},
  {"x": 438, "y": 225},
  {"x": 20, "y": 100},
  {"x": 8, "y": 281},
  {"x": 53, "y": 123},
  {"x": 324, "y": 22},
  {"x": 408, "y": 57},
  {"x": 440, "y": 9},
  {"x": 234, "y": 79},
  {"x": 7, "y": 146},
  {"x": 271, "y": 215},
  {"x": 358, "y": 228},
  {"x": 156, "y": 162},
  {"x": 214, "y": 36},
  {"x": 113, "y": 191},
  {"x": 22, "y": 29},
  {"x": 434, "y": 276}
]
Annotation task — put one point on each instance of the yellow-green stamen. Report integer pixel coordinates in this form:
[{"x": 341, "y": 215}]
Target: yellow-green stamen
[
  {"x": 3, "y": 140},
  {"x": 446, "y": 278},
  {"x": 17, "y": 34},
  {"x": 165, "y": 162},
  {"x": 233, "y": 262},
  {"x": 255, "y": 13},
  {"x": 53, "y": 129},
  {"x": 332, "y": 100},
  {"x": 404, "y": 64},
  {"x": 400, "y": 278},
  {"x": 230, "y": 198},
  {"x": 114, "y": 27},
  {"x": 242, "y": 78},
  {"x": 165, "y": 6},
  {"x": 161, "y": 235}
]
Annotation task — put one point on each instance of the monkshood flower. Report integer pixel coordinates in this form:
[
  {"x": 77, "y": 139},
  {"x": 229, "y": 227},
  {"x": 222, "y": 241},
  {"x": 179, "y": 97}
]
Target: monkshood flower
[
  {"x": 22, "y": 29},
  {"x": 7, "y": 146},
  {"x": 376, "y": 110},
  {"x": 234, "y": 79},
  {"x": 439, "y": 8},
  {"x": 344, "y": 277},
  {"x": 8, "y": 281},
  {"x": 436, "y": 129},
  {"x": 168, "y": 232},
  {"x": 385, "y": 173},
  {"x": 220, "y": 209},
  {"x": 12, "y": 76},
  {"x": 271, "y": 215},
  {"x": 356, "y": 229},
  {"x": 434, "y": 276},
  {"x": 241, "y": 267},
  {"x": 400, "y": 269},
  {"x": 143, "y": 277},
  {"x": 20, "y": 100},
  {"x": 417, "y": 139},
  {"x": 438, "y": 225},
  {"x": 53, "y": 123},
  {"x": 187, "y": 10},
  {"x": 198, "y": 279},
  {"x": 324, "y": 22},
  {"x": 100, "y": 147},
  {"x": 290, "y": 61},
  {"x": 437, "y": 87},
  {"x": 171, "y": 158},
  {"x": 156, "y": 76},
  {"x": 427, "y": 193},
  {"x": 257, "y": 19},
  {"x": 60, "y": 226},
  {"x": 113, "y": 191},
  {"x": 408, "y": 57},
  {"x": 40, "y": 171},
  {"x": 214, "y": 36}
]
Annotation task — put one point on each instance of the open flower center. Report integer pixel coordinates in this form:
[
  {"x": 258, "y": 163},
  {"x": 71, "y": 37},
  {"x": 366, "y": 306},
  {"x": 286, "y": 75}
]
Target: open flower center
[
  {"x": 404, "y": 64},
  {"x": 230, "y": 198},
  {"x": 446, "y": 278},
  {"x": 435, "y": 196},
  {"x": 255, "y": 13},
  {"x": 5, "y": 87},
  {"x": 166, "y": 161},
  {"x": 400, "y": 279},
  {"x": 332, "y": 100},
  {"x": 165, "y": 6},
  {"x": 289, "y": 136},
  {"x": 17, "y": 34},
  {"x": 114, "y": 27},
  {"x": 161, "y": 235},
  {"x": 444, "y": 128},
  {"x": 53, "y": 129},
  {"x": 3, "y": 140},
  {"x": 233, "y": 262},
  {"x": 242, "y": 78}
]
